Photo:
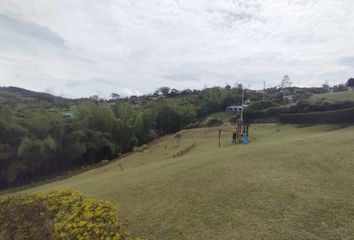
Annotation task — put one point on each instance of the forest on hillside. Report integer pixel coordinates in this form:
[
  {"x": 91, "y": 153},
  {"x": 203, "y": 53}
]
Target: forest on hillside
[{"x": 42, "y": 135}]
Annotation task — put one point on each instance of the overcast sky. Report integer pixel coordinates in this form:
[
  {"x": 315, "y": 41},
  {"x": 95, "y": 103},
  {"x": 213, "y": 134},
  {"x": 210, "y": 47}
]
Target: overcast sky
[{"x": 79, "y": 48}]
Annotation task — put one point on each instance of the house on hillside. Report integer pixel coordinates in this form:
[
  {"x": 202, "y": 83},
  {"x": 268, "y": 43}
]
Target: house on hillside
[
  {"x": 289, "y": 97},
  {"x": 235, "y": 108},
  {"x": 68, "y": 114},
  {"x": 350, "y": 84}
]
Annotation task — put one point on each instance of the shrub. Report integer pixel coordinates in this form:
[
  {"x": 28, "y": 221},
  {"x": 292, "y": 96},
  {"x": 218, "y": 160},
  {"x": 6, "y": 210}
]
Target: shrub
[
  {"x": 212, "y": 122},
  {"x": 269, "y": 115},
  {"x": 60, "y": 215}
]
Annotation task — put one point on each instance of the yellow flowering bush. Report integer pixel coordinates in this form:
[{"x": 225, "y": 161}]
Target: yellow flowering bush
[{"x": 59, "y": 215}]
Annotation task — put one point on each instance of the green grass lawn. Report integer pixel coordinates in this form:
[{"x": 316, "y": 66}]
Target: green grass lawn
[
  {"x": 288, "y": 183},
  {"x": 333, "y": 97}
]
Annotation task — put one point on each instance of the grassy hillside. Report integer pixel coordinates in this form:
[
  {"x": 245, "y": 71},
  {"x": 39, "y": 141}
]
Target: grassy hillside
[
  {"x": 333, "y": 97},
  {"x": 288, "y": 183}
]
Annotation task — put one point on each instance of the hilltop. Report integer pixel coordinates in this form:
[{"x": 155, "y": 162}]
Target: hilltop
[{"x": 19, "y": 97}]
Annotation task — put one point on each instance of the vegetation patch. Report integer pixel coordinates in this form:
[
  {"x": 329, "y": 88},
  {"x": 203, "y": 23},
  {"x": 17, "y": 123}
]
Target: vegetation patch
[
  {"x": 333, "y": 97},
  {"x": 63, "y": 215}
]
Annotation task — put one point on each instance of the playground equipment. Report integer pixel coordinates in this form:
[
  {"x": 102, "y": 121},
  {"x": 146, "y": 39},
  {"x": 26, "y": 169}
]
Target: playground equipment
[{"x": 240, "y": 134}]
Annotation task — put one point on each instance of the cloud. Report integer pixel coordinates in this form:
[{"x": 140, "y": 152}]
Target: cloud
[
  {"x": 30, "y": 30},
  {"x": 82, "y": 48}
]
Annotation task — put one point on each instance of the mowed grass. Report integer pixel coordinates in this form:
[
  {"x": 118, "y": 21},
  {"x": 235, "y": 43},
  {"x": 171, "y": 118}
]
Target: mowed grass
[
  {"x": 333, "y": 97},
  {"x": 288, "y": 183}
]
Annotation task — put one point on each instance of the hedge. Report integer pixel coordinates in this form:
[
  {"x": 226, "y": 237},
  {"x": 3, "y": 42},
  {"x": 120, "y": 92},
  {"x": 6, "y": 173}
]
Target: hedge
[
  {"x": 339, "y": 116},
  {"x": 268, "y": 115}
]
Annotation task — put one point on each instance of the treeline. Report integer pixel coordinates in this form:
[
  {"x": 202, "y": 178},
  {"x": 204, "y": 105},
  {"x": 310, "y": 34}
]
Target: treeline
[{"x": 39, "y": 142}]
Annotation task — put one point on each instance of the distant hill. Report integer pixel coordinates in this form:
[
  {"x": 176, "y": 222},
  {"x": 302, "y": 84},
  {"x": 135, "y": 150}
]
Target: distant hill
[{"x": 19, "y": 97}]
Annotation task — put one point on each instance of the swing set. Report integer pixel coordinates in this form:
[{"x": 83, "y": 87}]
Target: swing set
[{"x": 240, "y": 134}]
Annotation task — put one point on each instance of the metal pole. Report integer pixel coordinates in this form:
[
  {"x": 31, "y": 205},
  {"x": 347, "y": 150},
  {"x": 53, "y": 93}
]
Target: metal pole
[
  {"x": 263, "y": 90},
  {"x": 243, "y": 99},
  {"x": 219, "y": 138}
]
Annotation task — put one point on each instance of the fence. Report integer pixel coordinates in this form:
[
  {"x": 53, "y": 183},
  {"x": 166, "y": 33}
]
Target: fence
[{"x": 184, "y": 151}]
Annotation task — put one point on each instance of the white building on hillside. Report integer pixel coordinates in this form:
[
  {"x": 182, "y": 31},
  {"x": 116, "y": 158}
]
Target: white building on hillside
[{"x": 234, "y": 108}]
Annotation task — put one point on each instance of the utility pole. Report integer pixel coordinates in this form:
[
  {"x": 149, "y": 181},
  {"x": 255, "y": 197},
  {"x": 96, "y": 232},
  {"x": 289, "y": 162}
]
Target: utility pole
[
  {"x": 243, "y": 100},
  {"x": 263, "y": 90}
]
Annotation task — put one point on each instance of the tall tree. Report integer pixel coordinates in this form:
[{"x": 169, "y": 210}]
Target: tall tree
[
  {"x": 285, "y": 84},
  {"x": 165, "y": 90},
  {"x": 115, "y": 96}
]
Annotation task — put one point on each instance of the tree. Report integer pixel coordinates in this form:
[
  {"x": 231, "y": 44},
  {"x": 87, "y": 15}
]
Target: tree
[
  {"x": 186, "y": 92},
  {"x": 156, "y": 93},
  {"x": 95, "y": 98},
  {"x": 239, "y": 88},
  {"x": 115, "y": 96},
  {"x": 285, "y": 84},
  {"x": 350, "y": 83},
  {"x": 325, "y": 86},
  {"x": 174, "y": 92},
  {"x": 165, "y": 90},
  {"x": 339, "y": 87}
]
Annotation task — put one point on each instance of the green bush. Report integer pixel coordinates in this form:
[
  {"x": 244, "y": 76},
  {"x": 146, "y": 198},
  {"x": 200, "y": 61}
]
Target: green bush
[
  {"x": 337, "y": 117},
  {"x": 64, "y": 215}
]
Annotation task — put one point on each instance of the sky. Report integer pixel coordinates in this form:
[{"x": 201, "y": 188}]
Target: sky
[{"x": 80, "y": 48}]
